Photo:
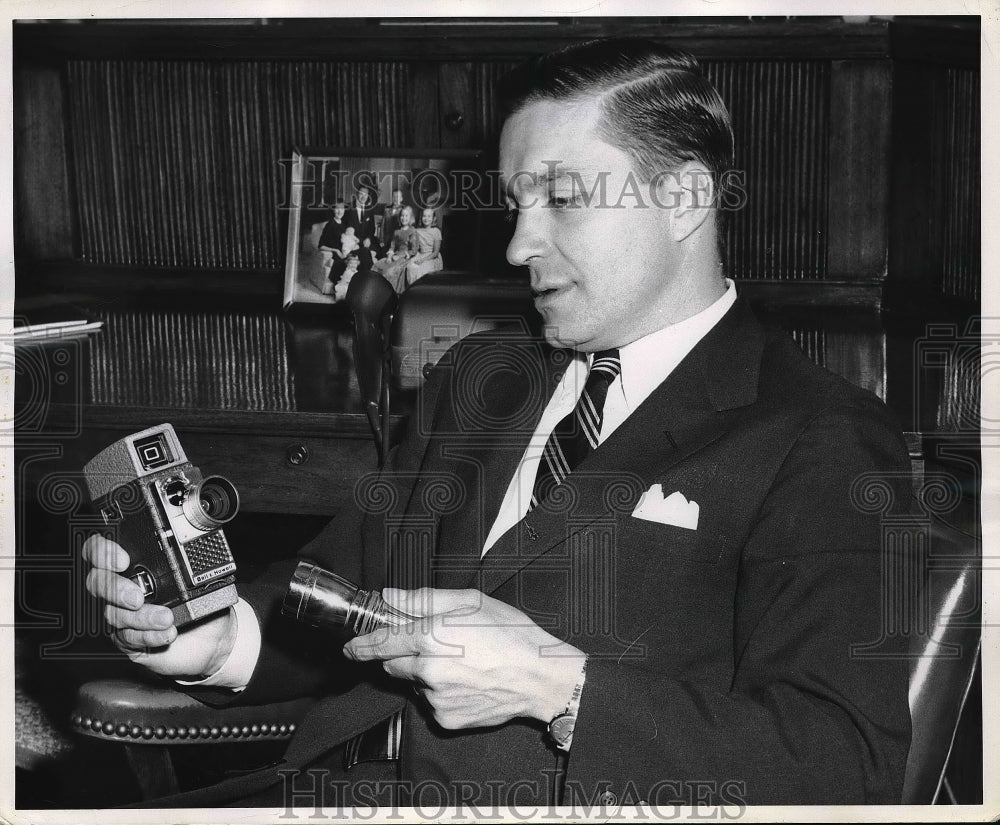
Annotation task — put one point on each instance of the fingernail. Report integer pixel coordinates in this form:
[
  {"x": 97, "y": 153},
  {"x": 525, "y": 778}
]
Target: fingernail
[
  {"x": 164, "y": 617},
  {"x": 349, "y": 652},
  {"x": 133, "y": 600}
]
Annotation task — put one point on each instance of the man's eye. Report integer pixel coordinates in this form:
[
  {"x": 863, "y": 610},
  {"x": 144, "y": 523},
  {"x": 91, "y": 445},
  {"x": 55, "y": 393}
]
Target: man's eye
[{"x": 563, "y": 201}]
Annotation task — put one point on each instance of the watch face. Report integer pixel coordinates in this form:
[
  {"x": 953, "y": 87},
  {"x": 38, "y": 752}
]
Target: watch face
[{"x": 561, "y": 728}]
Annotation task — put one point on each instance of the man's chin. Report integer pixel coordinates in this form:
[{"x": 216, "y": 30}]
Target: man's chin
[{"x": 562, "y": 338}]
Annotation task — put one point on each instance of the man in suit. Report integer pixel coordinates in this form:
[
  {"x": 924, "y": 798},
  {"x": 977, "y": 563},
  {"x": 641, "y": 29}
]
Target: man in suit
[
  {"x": 632, "y": 550},
  {"x": 362, "y": 213}
]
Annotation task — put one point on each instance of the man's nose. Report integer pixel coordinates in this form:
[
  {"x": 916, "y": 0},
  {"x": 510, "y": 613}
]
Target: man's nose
[{"x": 528, "y": 241}]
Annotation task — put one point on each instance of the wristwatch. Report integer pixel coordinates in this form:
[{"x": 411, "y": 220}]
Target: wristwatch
[{"x": 563, "y": 724}]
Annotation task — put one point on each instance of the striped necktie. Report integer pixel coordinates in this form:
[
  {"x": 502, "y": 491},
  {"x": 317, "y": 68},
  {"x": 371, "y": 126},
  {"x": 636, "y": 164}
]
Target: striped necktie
[{"x": 578, "y": 433}]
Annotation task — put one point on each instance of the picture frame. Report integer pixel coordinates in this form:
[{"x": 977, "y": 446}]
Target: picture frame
[{"x": 324, "y": 199}]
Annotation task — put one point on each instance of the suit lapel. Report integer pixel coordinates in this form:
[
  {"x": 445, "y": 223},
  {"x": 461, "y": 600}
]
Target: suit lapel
[
  {"x": 694, "y": 406},
  {"x": 484, "y": 461}
]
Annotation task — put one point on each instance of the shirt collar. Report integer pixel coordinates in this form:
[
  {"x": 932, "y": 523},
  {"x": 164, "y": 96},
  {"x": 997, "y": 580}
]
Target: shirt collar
[{"x": 647, "y": 362}]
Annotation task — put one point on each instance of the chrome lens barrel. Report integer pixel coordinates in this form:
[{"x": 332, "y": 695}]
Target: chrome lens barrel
[
  {"x": 324, "y": 599},
  {"x": 210, "y": 503}
]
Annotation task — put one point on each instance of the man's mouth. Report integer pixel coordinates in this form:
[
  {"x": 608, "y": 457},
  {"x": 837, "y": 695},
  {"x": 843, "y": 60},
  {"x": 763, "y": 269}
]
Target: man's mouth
[{"x": 545, "y": 292}]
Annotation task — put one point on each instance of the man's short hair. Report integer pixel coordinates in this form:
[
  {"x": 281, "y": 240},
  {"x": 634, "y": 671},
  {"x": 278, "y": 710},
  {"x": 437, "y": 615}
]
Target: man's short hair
[{"x": 658, "y": 106}]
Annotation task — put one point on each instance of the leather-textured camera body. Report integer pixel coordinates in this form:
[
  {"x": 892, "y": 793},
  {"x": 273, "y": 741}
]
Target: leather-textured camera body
[{"x": 168, "y": 516}]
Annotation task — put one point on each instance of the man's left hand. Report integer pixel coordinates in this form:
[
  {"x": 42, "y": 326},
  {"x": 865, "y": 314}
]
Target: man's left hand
[{"x": 476, "y": 660}]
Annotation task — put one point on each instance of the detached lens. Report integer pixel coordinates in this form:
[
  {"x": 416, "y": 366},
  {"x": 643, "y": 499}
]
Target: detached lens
[
  {"x": 319, "y": 597},
  {"x": 324, "y": 599},
  {"x": 211, "y": 502}
]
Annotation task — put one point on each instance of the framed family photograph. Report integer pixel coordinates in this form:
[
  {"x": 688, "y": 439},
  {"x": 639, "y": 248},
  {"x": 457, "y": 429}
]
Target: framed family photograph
[{"x": 399, "y": 213}]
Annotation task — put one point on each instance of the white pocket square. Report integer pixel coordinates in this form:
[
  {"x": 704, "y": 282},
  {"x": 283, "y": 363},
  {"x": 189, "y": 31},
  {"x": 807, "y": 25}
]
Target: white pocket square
[{"x": 674, "y": 509}]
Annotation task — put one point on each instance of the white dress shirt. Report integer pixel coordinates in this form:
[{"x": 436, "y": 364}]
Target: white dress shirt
[{"x": 646, "y": 364}]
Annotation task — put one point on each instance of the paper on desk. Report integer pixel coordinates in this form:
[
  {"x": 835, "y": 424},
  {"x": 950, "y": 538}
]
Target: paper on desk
[{"x": 54, "y": 330}]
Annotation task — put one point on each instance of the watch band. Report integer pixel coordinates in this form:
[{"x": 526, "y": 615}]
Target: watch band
[{"x": 563, "y": 724}]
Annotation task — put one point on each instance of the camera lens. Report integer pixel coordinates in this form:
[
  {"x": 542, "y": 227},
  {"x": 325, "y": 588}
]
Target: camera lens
[
  {"x": 211, "y": 502},
  {"x": 215, "y": 502},
  {"x": 324, "y": 599}
]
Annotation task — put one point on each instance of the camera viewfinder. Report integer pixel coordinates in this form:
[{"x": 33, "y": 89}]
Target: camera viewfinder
[{"x": 153, "y": 451}]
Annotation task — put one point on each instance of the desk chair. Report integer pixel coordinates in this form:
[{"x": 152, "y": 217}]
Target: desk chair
[
  {"x": 150, "y": 719},
  {"x": 944, "y": 663}
]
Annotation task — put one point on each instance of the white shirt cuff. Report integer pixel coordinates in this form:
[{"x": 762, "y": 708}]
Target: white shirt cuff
[{"x": 236, "y": 671}]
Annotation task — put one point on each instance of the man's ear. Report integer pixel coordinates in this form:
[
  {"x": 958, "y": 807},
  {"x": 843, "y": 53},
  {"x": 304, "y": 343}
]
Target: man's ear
[{"x": 690, "y": 190}]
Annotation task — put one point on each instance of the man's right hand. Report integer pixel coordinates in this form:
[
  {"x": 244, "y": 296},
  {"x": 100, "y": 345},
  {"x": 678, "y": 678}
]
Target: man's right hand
[{"x": 146, "y": 632}]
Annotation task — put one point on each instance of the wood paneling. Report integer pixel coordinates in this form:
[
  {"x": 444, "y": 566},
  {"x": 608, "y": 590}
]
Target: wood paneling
[
  {"x": 813, "y": 343},
  {"x": 958, "y": 158},
  {"x": 257, "y": 464},
  {"x": 423, "y": 107},
  {"x": 469, "y": 89},
  {"x": 455, "y": 82},
  {"x": 934, "y": 247},
  {"x": 858, "y": 171},
  {"x": 269, "y": 483},
  {"x": 914, "y": 252},
  {"x": 43, "y": 222},
  {"x": 856, "y": 352},
  {"x": 454, "y": 39},
  {"x": 202, "y": 360},
  {"x": 486, "y": 116},
  {"x": 178, "y": 163},
  {"x": 849, "y": 343},
  {"x": 780, "y": 125}
]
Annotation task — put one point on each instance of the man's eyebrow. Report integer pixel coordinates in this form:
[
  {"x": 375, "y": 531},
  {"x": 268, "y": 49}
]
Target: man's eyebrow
[
  {"x": 553, "y": 174},
  {"x": 562, "y": 172}
]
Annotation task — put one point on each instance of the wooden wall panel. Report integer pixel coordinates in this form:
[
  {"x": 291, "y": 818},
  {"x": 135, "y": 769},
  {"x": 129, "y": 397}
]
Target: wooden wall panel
[
  {"x": 780, "y": 113},
  {"x": 858, "y": 170},
  {"x": 469, "y": 89},
  {"x": 485, "y": 119},
  {"x": 812, "y": 341},
  {"x": 176, "y": 163},
  {"x": 935, "y": 231},
  {"x": 958, "y": 156},
  {"x": 856, "y": 352},
  {"x": 422, "y": 106},
  {"x": 455, "y": 97},
  {"x": 43, "y": 222},
  {"x": 208, "y": 360}
]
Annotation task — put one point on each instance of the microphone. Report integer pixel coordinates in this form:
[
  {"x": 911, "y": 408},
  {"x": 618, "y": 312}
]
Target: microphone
[{"x": 323, "y": 599}]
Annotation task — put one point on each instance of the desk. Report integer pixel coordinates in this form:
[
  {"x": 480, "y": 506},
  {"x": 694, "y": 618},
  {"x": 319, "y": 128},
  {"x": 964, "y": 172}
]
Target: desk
[{"x": 269, "y": 400}]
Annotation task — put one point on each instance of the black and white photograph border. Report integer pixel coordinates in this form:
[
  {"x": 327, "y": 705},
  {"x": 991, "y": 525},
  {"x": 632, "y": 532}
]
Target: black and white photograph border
[{"x": 952, "y": 380}]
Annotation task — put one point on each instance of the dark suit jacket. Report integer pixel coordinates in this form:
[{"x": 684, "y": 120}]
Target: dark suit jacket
[
  {"x": 330, "y": 236},
  {"x": 718, "y": 655},
  {"x": 364, "y": 226}
]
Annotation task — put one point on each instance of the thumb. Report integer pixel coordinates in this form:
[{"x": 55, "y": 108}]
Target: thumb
[{"x": 429, "y": 601}]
